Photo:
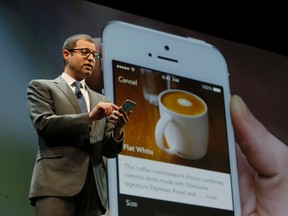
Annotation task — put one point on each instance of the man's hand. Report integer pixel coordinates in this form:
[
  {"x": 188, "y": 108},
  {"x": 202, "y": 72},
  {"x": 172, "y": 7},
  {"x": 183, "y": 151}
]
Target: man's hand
[
  {"x": 119, "y": 118},
  {"x": 102, "y": 110}
]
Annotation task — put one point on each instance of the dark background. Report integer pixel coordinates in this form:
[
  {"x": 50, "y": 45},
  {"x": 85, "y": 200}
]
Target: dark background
[{"x": 261, "y": 25}]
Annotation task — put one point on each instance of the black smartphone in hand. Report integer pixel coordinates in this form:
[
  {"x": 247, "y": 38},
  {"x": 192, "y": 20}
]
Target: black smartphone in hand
[{"x": 128, "y": 105}]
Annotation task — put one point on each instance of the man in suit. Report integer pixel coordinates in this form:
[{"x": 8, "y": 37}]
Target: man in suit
[{"x": 69, "y": 176}]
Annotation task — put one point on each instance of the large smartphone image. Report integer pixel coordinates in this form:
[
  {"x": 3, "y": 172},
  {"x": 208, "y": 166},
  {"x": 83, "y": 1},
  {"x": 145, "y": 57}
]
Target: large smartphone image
[{"x": 178, "y": 155}]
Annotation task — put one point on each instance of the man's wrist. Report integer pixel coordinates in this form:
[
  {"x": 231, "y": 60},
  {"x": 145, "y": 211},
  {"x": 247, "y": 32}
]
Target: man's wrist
[{"x": 118, "y": 134}]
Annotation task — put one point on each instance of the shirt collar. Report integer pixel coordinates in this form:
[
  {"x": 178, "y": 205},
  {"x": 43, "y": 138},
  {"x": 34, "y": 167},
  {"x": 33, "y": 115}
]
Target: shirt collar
[{"x": 71, "y": 80}]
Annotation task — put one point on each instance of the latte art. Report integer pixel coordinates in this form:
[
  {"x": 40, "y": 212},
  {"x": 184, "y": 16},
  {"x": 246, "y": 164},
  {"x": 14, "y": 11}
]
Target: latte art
[{"x": 183, "y": 103}]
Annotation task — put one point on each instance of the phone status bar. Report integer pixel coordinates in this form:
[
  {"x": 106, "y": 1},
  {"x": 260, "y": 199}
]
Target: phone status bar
[
  {"x": 123, "y": 67},
  {"x": 211, "y": 88}
]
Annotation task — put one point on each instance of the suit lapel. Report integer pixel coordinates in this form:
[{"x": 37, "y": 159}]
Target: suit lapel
[
  {"x": 65, "y": 88},
  {"x": 93, "y": 100}
]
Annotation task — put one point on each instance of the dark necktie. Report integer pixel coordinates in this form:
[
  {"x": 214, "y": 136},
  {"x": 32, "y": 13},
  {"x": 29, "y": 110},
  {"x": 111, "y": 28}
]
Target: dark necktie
[{"x": 80, "y": 96}]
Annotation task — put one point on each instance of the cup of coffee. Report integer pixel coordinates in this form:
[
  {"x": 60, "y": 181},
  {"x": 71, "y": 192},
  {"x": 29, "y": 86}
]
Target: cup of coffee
[{"x": 184, "y": 124}]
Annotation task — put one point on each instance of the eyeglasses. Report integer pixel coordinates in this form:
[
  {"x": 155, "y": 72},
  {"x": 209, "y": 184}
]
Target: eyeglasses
[{"x": 86, "y": 53}]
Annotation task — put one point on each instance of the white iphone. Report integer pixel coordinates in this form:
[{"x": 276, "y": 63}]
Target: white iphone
[{"x": 178, "y": 155}]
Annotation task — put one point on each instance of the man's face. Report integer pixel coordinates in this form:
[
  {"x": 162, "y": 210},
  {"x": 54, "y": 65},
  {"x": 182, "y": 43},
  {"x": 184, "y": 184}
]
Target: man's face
[{"x": 81, "y": 60}]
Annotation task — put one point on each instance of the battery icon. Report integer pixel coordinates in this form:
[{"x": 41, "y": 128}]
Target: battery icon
[{"x": 218, "y": 90}]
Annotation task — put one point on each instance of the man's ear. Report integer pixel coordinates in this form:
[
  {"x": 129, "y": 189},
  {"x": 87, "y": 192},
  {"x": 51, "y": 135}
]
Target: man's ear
[{"x": 66, "y": 55}]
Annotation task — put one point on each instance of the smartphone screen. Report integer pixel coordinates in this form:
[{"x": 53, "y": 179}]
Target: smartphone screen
[{"x": 174, "y": 162}]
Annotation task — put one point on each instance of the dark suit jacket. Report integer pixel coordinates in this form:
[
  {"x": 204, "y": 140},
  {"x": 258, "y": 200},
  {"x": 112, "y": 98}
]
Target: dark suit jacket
[{"x": 66, "y": 140}]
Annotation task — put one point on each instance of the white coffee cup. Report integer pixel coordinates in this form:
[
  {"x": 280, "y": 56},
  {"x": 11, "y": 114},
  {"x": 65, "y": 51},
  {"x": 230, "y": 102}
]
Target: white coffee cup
[{"x": 184, "y": 122}]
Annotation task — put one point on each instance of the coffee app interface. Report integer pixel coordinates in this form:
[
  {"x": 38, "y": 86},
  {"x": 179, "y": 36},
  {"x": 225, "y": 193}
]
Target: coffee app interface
[{"x": 175, "y": 153}]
